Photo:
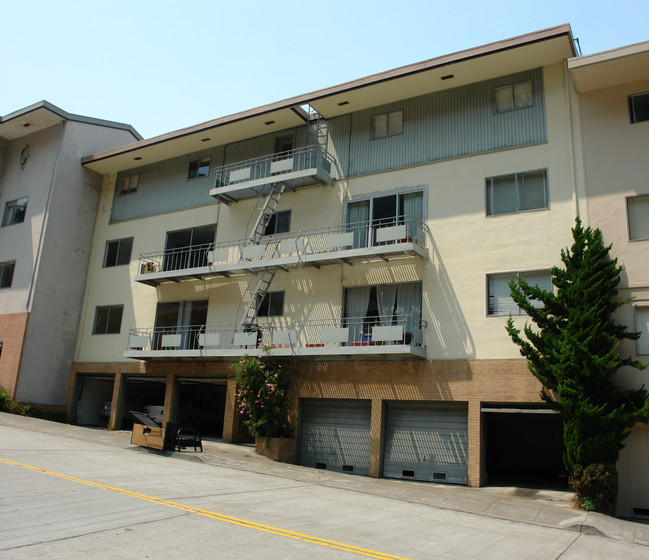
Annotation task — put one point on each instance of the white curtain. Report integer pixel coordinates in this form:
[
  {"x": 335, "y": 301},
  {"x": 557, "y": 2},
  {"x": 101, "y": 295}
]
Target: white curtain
[
  {"x": 409, "y": 306},
  {"x": 385, "y": 298},
  {"x": 358, "y": 212},
  {"x": 357, "y": 301},
  {"x": 413, "y": 205}
]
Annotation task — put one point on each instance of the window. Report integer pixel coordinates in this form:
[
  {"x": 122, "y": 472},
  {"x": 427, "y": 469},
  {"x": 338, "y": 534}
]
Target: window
[
  {"x": 638, "y": 216},
  {"x": 365, "y": 217},
  {"x": 499, "y": 300},
  {"x": 639, "y": 107},
  {"x": 387, "y": 124},
  {"x": 388, "y": 304},
  {"x": 199, "y": 168},
  {"x": 15, "y": 212},
  {"x": 129, "y": 184},
  {"x": 518, "y": 192},
  {"x": 280, "y": 222},
  {"x": 642, "y": 326},
  {"x": 187, "y": 248},
  {"x": 118, "y": 252},
  {"x": 184, "y": 318},
  {"x": 516, "y": 96},
  {"x": 6, "y": 273},
  {"x": 108, "y": 319},
  {"x": 272, "y": 305}
]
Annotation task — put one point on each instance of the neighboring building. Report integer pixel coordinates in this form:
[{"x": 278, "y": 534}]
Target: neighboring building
[
  {"x": 49, "y": 208},
  {"x": 376, "y": 224},
  {"x": 613, "y": 111}
]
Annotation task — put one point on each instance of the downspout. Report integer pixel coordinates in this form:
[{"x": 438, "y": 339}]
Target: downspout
[
  {"x": 576, "y": 148},
  {"x": 46, "y": 213}
]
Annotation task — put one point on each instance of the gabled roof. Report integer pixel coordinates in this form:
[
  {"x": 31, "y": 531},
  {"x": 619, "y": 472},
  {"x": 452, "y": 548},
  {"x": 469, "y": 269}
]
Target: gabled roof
[
  {"x": 42, "y": 115},
  {"x": 532, "y": 50}
]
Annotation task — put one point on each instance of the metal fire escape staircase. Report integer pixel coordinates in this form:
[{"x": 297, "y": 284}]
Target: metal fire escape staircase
[
  {"x": 264, "y": 209},
  {"x": 259, "y": 282}
]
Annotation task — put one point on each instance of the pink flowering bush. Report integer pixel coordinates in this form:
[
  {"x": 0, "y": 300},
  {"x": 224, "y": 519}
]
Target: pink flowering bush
[{"x": 262, "y": 394}]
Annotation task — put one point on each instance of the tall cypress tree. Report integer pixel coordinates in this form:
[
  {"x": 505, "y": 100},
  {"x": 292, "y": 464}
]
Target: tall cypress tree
[{"x": 573, "y": 351}]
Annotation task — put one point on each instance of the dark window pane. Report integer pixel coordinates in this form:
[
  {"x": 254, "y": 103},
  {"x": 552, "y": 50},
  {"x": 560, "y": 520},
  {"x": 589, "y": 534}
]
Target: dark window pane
[
  {"x": 114, "y": 319},
  {"x": 7, "y": 274},
  {"x": 125, "y": 247},
  {"x": 111, "y": 253},
  {"x": 101, "y": 320},
  {"x": 639, "y": 107}
]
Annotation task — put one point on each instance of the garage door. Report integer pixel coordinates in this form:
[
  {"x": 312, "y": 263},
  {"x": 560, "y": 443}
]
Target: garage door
[
  {"x": 335, "y": 435},
  {"x": 426, "y": 442}
]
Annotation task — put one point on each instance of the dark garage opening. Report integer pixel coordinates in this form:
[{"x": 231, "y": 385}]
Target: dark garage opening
[
  {"x": 201, "y": 405},
  {"x": 93, "y": 401},
  {"x": 139, "y": 395},
  {"x": 524, "y": 448}
]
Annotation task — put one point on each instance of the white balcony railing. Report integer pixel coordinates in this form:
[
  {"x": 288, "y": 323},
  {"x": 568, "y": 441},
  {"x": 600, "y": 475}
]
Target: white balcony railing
[
  {"x": 295, "y": 168},
  {"x": 402, "y": 336},
  {"x": 365, "y": 241}
]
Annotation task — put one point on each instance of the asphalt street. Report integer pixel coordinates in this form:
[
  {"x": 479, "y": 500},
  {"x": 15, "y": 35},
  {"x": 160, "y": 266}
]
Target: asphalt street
[{"x": 70, "y": 492}]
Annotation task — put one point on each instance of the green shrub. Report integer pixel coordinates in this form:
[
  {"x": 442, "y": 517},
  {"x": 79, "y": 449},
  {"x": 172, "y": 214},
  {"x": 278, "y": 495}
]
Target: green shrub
[
  {"x": 596, "y": 487},
  {"x": 262, "y": 394},
  {"x": 7, "y": 404}
]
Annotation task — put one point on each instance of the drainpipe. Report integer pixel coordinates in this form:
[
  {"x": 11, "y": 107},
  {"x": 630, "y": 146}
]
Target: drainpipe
[{"x": 46, "y": 213}]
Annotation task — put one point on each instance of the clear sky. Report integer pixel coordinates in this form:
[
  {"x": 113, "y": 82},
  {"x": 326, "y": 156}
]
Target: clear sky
[{"x": 163, "y": 65}]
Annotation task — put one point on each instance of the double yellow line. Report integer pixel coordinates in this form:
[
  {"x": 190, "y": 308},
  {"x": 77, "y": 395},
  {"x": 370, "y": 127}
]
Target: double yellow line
[{"x": 218, "y": 516}]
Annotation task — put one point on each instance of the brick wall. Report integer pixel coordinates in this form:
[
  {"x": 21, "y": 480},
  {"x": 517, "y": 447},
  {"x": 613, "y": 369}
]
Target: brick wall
[{"x": 13, "y": 327}]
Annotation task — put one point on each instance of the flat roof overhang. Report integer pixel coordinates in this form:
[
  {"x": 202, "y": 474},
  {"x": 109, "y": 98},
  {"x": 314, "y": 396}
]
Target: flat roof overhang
[
  {"x": 610, "y": 68},
  {"x": 532, "y": 50}
]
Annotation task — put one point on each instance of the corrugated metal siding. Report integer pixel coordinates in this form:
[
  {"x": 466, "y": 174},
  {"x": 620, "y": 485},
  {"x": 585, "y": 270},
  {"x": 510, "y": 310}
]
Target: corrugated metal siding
[
  {"x": 164, "y": 187},
  {"x": 261, "y": 146},
  {"x": 336, "y": 435},
  {"x": 442, "y": 125}
]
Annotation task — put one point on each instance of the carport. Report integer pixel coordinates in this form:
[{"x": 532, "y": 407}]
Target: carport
[
  {"x": 523, "y": 444},
  {"x": 200, "y": 404},
  {"x": 93, "y": 393}
]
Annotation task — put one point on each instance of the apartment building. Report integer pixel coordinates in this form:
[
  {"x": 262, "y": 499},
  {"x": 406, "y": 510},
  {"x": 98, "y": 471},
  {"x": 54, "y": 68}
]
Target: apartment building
[
  {"x": 48, "y": 203},
  {"x": 368, "y": 231},
  {"x": 613, "y": 113}
]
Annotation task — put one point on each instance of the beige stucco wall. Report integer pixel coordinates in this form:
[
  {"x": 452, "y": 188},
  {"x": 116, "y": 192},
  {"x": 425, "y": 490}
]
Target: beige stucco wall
[{"x": 464, "y": 246}]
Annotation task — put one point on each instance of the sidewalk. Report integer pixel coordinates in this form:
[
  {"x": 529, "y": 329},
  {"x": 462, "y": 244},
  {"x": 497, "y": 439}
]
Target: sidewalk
[{"x": 538, "y": 507}]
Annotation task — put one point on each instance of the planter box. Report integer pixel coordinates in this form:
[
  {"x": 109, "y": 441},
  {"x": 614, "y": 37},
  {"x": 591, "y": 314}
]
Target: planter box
[{"x": 279, "y": 449}]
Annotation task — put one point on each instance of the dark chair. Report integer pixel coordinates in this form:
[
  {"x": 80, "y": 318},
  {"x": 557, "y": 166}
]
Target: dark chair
[{"x": 188, "y": 437}]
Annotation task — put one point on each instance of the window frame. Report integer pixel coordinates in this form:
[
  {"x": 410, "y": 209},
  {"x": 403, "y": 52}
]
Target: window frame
[
  {"x": 269, "y": 296},
  {"x": 10, "y": 212},
  {"x": 388, "y": 133},
  {"x": 513, "y": 106},
  {"x": 628, "y": 217},
  {"x": 645, "y": 308},
  {"x": 117, "y": 254},
  {"x": 109, "y": 309},
  {"x": 7, "y": 269},
  {"x": 516, "y": 175},
  {"x": 198, "y": 166},
  {"x": 128, "y": 180},
  {"x": 518, "y": 274},
  {"x": 632, "y": 109},
  {"x": 274, "y": 219}
]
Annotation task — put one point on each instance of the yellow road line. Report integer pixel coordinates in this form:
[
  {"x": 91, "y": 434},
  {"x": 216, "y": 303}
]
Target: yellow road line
[{"x": 218, "y": 516}]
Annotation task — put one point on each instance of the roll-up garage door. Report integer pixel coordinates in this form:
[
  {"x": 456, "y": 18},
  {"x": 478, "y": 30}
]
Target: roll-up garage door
[
  {"x": 426, "y": 442},
  {"x": 335, "y": 435}
]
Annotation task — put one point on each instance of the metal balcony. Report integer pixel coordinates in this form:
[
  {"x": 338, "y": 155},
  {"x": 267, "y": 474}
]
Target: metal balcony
[
  {"x": 301, "y": 167},
  {"x": 368, "y": 241},
  {"x": 363, "y": 338}
]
